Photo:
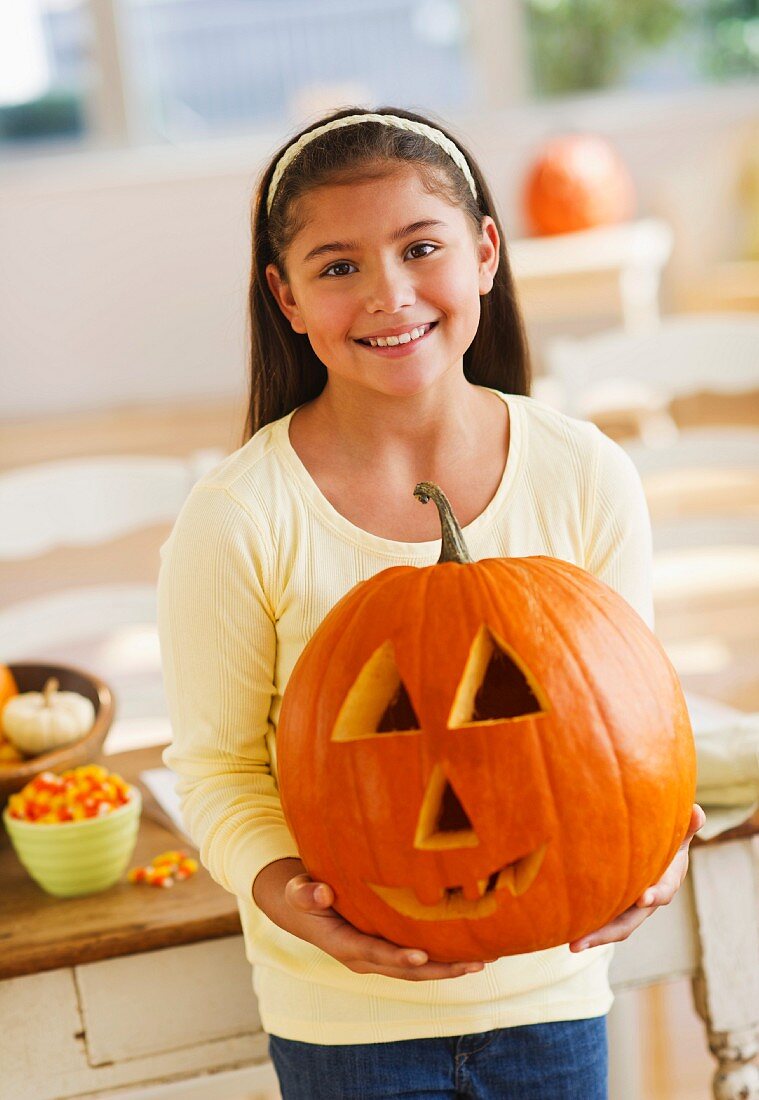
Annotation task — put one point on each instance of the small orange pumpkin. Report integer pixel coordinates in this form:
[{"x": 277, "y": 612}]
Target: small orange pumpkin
[
  {"x": 8, "y": 685},
  {"x": 484, "y": 758},
  {"x": 577, "y": 182},
  {"x": 9, "y": 754}
]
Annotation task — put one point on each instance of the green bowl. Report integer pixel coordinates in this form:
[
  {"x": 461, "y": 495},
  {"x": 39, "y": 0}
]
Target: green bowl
[{"x": 77, "y": 857}]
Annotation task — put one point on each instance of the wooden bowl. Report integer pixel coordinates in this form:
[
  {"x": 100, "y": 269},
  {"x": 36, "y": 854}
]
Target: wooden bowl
[{"x": 32, "y": 677}]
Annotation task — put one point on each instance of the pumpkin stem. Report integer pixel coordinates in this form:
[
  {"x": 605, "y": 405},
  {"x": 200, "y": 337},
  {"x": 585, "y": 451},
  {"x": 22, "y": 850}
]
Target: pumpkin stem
[
  {"x": 454, "y": 547},
  {"x": 49, "y": 690}
]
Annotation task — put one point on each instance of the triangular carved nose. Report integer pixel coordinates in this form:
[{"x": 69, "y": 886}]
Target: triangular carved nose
[{"x": 443, "y": 820}]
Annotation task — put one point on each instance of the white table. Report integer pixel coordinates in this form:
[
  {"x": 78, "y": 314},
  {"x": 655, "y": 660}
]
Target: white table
[{"x": 575, "y": 275}]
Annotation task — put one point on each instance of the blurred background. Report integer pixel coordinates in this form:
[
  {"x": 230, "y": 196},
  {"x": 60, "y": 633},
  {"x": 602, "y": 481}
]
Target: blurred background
[{"x": 621, "y": 142}]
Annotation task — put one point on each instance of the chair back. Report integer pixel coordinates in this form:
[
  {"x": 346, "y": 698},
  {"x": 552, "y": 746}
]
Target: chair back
[
  {"x": 106, "y": 628},
  {"x": 682, "y": 356}
]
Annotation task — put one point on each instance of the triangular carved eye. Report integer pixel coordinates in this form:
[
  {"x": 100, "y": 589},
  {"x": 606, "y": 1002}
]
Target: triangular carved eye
[
  {"x": 378, "y": 702},
  {"x": 496, "y": 685}
]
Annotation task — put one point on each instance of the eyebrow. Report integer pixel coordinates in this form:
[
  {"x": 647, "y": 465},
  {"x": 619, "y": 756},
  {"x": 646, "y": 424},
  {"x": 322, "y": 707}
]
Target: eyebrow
[{"x": 353, "y": 246}]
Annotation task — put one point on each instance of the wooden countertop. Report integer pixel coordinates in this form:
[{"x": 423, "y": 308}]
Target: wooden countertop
[{"x": 39, "y": 932}]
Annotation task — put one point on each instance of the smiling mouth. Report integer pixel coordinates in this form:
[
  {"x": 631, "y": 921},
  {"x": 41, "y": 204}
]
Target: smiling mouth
[
  {"x": 515, "y": 878},
  {"x": 398, "y": 341}
]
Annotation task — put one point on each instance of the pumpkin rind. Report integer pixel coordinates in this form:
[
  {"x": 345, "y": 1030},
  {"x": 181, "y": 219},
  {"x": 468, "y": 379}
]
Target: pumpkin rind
[
  {"x": 577, "y": 182},
  {"x": 601, "y": 776}
]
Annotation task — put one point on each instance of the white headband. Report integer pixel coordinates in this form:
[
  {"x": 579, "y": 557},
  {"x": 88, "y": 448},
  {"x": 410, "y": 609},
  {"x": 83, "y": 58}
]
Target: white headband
[{"x": 430, "y": 132}]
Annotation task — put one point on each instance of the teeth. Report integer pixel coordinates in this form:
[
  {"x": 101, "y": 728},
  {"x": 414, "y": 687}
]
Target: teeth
[
  {"x": 429, "y": 893},
  {"x": 526, "y": 869},
  {"x": 404, "y": 338},
  {"x": 519, "y": 876},
  {"x": 473, "y": 889}
]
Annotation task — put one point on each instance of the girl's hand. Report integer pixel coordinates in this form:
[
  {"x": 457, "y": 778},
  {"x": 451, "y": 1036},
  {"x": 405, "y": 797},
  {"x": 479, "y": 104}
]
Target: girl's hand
[
  {"x": 659, "y": 894},
  {"x": 288, "y": 896}
]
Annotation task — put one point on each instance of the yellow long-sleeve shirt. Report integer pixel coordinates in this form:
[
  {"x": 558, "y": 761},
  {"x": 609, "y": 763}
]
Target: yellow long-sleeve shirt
[{"x": 256, "y": 559}]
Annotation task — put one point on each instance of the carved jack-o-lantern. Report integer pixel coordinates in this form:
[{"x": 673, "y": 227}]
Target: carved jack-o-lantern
[{"x": 484, "y": 758}]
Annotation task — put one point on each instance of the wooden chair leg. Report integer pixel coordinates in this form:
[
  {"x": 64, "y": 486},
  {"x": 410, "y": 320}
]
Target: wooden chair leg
[
  {"x": 726, "y": 991},
  {"x": 737, "y": 1075}
]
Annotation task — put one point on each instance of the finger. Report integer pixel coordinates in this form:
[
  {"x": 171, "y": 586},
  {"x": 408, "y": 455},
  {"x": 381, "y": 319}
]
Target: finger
[
  {"x": 363, "y": 953},
  {"x": 428, "y": 972},
  {"x": 697, "y": 821},
  {"x": 309, "y": 896},
  {"x": 372, "y": 953},
  {"x": 616, "y": 930},
  {"x": 662, "y": 892}
]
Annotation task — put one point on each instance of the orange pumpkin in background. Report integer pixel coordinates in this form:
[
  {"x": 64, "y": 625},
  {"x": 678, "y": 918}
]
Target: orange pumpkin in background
[
  {"x": 9, "y": 754},
  {"x": 577, "y": 182},
  {"x": 8, "y": 685},
  {"x": 484, "y": 758}
]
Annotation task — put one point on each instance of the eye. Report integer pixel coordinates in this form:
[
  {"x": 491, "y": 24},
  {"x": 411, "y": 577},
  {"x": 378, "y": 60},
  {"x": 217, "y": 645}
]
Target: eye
[
  {"x": 496, "y": 686},
  {"x": 332, "y": 271},
  {"x": 423, "y": 244},
  {"x": 378, "y": 702},
  {"x": 339, "y": 263}
]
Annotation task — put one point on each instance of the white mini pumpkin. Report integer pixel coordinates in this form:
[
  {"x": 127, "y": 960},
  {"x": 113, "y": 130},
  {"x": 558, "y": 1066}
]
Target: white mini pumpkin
[{"x": 38, "y": 721}]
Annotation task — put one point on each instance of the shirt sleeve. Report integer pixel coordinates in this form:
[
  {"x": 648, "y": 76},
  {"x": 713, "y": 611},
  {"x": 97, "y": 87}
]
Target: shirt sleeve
[
  {"x": 218, "y": 648},
  {"x": 618, "y": 541}
]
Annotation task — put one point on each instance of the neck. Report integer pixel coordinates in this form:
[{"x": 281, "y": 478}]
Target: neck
[{"x": 377, "y": 429}]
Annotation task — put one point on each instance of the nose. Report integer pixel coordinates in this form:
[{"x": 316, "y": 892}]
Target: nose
[
  {"x": 390, "y": 290},
  {"x": 443, "y": 821}
]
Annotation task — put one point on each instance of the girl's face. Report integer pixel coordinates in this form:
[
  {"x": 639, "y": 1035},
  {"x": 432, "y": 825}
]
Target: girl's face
[{"x": 381, "y": 258}]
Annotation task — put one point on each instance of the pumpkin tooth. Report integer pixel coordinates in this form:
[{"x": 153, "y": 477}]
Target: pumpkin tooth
[
  {"x": 473, "y": 888},
  {"x": 506, "y": 878},
  {"x": 428, "y": 893},
  {"x": 526, "y": 869}
]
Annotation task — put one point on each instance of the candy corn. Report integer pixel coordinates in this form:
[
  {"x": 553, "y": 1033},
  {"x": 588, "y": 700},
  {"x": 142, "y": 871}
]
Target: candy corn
[
  {"x": 164, "y": 869},
  {"x": 75, "y": 795}
]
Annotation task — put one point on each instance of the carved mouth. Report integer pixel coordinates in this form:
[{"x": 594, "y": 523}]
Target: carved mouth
[{"x": 456, "y": 902}]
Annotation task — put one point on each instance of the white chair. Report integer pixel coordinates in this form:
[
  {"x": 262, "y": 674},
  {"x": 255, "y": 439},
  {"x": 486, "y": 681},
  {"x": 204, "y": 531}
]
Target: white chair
[
  {"x": 108, "y": 628},
  {"x": 617, "y": 371}
]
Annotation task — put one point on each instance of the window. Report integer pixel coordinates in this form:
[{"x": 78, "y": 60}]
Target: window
[
  {"x": 116, "y": 72},
  {"x": 581, "y": 45},
  {"x": 213, "y": 67},
  {"x": 45, "y": 70},
  {"x": 175, "y": 70}
]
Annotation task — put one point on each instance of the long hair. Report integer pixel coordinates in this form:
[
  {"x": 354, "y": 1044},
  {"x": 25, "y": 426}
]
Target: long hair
[{"x": 284, "y": 369}]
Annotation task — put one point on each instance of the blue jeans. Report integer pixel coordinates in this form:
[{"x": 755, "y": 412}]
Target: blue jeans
[{"x": 566, "y": 1060}]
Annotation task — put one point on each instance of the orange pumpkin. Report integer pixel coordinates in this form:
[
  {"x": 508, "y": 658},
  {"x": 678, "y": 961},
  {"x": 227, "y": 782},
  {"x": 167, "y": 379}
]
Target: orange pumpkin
[
  {"x": 9, "y": 755},
  {"x": 577, "y": 182},
  {"x": 484, "y": 758},
  {"x": 8, "y": 685}
]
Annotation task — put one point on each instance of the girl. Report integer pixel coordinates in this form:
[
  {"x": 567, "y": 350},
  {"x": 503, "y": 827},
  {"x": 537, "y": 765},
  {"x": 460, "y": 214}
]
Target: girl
[{"x": 387, "y": 348}]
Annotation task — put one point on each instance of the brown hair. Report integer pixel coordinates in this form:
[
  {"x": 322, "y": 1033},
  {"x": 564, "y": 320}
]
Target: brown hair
[{"x": 284, "y": 369}]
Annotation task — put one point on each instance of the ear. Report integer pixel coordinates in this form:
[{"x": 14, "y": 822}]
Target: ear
[
  {"x": 283, "y": 296},
  {"x": 488, "y": 252}
]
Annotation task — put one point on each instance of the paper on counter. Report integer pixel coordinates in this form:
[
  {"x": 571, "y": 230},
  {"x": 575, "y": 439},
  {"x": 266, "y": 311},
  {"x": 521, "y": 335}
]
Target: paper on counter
[{"x": 161, "y": 783}]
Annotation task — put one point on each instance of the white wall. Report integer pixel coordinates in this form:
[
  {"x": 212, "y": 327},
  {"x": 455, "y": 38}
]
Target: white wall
[{"x": 123, "y": 275}]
